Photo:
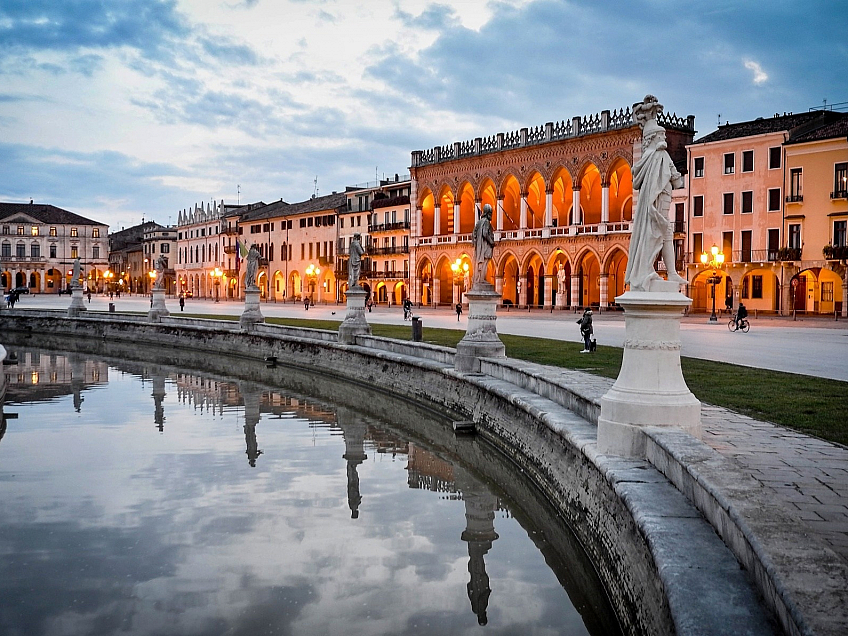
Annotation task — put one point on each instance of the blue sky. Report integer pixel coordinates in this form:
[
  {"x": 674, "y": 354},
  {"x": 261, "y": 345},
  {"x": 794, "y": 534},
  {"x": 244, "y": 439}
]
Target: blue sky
[{"x": 125, "y": 109}]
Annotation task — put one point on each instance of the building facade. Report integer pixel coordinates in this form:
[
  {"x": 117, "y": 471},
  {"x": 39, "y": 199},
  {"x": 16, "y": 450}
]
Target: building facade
[
  {"x": 766, "y": 194},
  {"x": 39, "y": 243},
  {"x": 562, "y": 196}
]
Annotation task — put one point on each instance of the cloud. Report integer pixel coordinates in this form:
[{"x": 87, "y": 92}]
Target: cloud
[{"x": 760, "y": 76}]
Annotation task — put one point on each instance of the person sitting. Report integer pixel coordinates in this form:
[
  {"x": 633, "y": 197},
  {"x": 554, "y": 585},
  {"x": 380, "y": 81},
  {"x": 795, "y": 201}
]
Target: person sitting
[{"x": 741, "y": 314}]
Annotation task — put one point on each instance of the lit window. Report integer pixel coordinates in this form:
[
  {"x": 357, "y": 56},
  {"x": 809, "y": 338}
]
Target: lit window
[
  {"x": 95, "y": 232},
  {"x": 34, "y": 230},
  {"x": 74, "y": 232}
]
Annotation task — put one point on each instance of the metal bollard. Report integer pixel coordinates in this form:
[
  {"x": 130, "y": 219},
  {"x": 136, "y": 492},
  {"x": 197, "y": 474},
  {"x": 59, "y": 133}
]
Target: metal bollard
[
  {"x": 112, "y": 307},
  {"x": 417, "y": 331}
]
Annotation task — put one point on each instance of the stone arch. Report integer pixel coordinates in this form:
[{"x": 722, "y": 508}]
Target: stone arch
[
  {"x": 562, "y": 184},
  {"x": 701, "y": 290},
  {"x": 424, "y": 273},
  {"x": 487, "y": 193},
  {"x": 295, "y": 285},
  {"x": 278, "y": 286},
  {"x": 508, "y": 273},
  {"x": 443, "y": 279},
  {"x": 590, "y": 193},
  {"x": 560, "y": 292},
  {"x": 428, "y": 213},
  {"x": 587, "y": 269},
  {"x": 467, "y": 215},
  {"x": 620, "y": 180},
  {"x": 535, "y": 189},
  {"x": 758, "y": 288},
  {"x": 511, "y": 192},
  {"x": 613, "y": 267},
  {"x": 533, "y": 279}
]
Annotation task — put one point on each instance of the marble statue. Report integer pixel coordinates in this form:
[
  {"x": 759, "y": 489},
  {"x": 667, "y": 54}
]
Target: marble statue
[
  {"x": 161, "y": 266},
  {"x": 654, "y": 176},
  {"x": 75, "y": 280},
  {"x": 252, "y": 267},
  {"x": 483, "y": 238},
  {"x": 354, "y": 263},
  {"x": 561, "y": 280}
]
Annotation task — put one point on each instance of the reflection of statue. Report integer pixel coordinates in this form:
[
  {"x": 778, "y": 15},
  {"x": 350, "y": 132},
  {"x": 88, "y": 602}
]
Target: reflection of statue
[
  {"x": 483, "y": 238},
  {"x": 75, "y": 280},
  {"x": 561, "y": 281},
  {"x": 654, "y": 176},
  {"x": 161, "y": 266},
  {"x": 354, "y": 263},
  {"x": 252, "y": 267}
]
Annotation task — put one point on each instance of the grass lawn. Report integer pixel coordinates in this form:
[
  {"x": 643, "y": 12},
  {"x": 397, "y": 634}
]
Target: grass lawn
[{"x": 810, "y": 405}]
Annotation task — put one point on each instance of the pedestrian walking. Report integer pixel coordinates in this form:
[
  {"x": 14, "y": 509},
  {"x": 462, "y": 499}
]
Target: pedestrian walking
[
  {"x": 458, "y": 311},
  {"x": 306, "y": 303},
  {"x": 182, "y": 302},
  {"x": 586, "y": 330}
]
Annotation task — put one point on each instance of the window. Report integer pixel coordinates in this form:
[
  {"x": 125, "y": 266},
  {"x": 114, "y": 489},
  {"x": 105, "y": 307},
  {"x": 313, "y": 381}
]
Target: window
[
  {"x": 302, "y": 251},
  {"x": 166, "y": 248},
  {"x": 309, "y": 222},
  {"x": 34, "y": 230},
  {"x": 747, "y": 161},
  {"x": 744, "y": 291},
  {"x": 697, "y": 246},
  {"x": 95, "y": 232},
  {"x": 729, "y": 163},
  {"x": 698, "y": 206},
  {"x": 774, "y": 158},
  {"x": 341, "y": 222},
  {"x": 35, "y": 250},
  {"x": 95, "y": 251},
  {"x": 303, "y": 222},
  {"x": 74, "y": 232},
  {"x": 728, "y": 203},
  {"x": 20, "y": 230},
  {"x": 774, "y": 200},
  {"x": 74, "y": 251},
  {"x": 747, "y": 202},
  {"x": 698, "y": 167},
  {"x": 53, "y": 231},
  {"x": 839, "y": 228},
  {"x": 773, "y": 243},
  {"x": 827, "y": 292},
  {"x": 20, "y": 250},
  {"x": 840, "y": 181},
  {"x": 5, "y": 229},
  {"x": 52, "y": 251},
  {"x": 795, "y": 186},
  {"x": 746, "y": 246},
  {"x": 756, "y": 286},
  {"x": 794, "y": 239},
  {"x": 6, "y": 250},
  {"x": 727, "y": 246}
]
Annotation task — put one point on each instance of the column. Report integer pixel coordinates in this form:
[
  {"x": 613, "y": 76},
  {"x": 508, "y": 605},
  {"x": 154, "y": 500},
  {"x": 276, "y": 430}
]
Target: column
[
  {"x": 500, "y": 219},
  {"x": 417, "y": 223},
  {"x": 436, "y": 291},
  {"x": 456, "y": 218},
  {"x": 604, "y": 285},
  {"x": 499, "y": 286},
  {"x": 437, "y": 220},
  {"x": 844, "y": 312},
  {"x": 549, "y": 208},
  {"x": 576, "y": 217},
  {"x": 522, "y": 291},
  {"x": 550, "y": 283},
  {"x": 576, "y": 301},
  {"x": 523, "y": 219},
  {"x": 605, "y": 203}
]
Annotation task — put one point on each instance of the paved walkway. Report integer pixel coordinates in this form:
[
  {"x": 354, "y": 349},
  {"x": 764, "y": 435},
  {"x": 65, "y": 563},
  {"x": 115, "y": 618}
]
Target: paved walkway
[{"x": 809, "y": 476}]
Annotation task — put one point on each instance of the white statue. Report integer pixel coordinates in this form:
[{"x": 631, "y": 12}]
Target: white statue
[
  {"x": 654, "y": 176},
  {"x": 483, "y": 238},
  {"x": 161, "y": 266},
  {"x": 561, "y": 281},
  {"x": 252, "y": 267},
  {"x": 354, "y": 263},
  {"x": 75, "y": 280}
]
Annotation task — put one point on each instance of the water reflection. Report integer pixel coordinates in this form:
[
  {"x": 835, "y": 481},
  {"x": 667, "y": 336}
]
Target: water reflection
[{"x": 348, "y": 524}]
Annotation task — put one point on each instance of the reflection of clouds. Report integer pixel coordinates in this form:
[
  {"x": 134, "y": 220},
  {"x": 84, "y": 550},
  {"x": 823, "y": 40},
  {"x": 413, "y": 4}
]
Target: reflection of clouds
[{"x": 175, "y": 533}]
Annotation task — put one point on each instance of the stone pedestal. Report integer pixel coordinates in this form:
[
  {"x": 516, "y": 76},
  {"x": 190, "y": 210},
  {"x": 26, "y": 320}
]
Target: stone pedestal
[
  {"x": 481, "y": 338},
  {"x": 77, "y": 306},
  {"x": 650, "y": 389},
  {"x": 354, "y": 323},
  {"x": 252, "y": 313},
  {"x": 158, "y": 309}
]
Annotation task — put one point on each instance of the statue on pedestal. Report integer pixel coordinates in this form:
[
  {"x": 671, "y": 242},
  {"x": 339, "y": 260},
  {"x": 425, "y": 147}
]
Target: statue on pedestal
[
  {"x": 654, "y": 176},
  {"x": 252, "y": 267},
  {"x": 75, "y": 278},
  {"x": 161, "y": 266},
  {"x": 354, "y": 263},
  {"x": 561, "y": 281},
  {"x": 483, "y": 239}
]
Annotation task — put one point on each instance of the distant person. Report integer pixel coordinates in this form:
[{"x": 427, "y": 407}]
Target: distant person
[
  {"x": 89, "y": 296},
  {"x": 741, "y": 314},
  {"x": 728, "y": 304},
  {"x": 407, "y": 309},
  {"x": 458, "y": 311},
  {"x": 182, "y": 302},
  {"x": 586, "y": 330},
  {"x": 306, "y": 303}
]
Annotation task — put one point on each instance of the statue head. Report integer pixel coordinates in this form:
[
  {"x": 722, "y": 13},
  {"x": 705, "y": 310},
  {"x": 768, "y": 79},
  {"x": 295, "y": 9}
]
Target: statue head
[
  {"x": 357, "y": 236},
  {"x": 487, "y": 211}
]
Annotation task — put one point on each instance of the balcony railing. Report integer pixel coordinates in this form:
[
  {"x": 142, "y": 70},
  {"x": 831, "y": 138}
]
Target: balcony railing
[
  {"x": 8, "y": 258},
  {"x": 839, "y": 194},
  {"x": 388, "y": 227},
  {"x": 229, "y": 231},
  {"x": 229, "y": 249},
  {"x": 382, "y": 251},
  {"x": 325, "y": 260},
  {"x": 794, "y": 198},
  {"x": 383, "y": 275}
]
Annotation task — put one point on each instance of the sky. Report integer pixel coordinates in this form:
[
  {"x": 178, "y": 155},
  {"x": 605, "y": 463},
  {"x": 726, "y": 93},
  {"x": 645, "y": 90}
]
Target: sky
[{"x": 123, "y": 110}]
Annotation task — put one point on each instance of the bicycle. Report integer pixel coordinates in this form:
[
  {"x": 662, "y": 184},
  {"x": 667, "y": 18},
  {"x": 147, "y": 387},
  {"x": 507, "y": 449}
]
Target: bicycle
[{"x": 744, "y": 325}]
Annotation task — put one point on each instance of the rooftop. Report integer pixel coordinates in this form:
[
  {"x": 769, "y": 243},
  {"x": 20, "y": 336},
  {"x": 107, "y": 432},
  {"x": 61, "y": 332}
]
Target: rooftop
[
  {"x": 788, "y": 122},
  {"x": 43, "y": 213}
]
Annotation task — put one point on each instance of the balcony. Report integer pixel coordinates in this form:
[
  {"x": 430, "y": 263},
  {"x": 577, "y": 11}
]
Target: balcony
[
  {"x": 229, "y": 231},
  {"x": 839, "y": 194},
  {"x": 835, "y": 253},
  {"x": 384, "y": 275},
  {"x": 231, "y": 273},
  {"x": 388, "y": 227},
  {"x": 8, "y": 258},
  {"x": 794, "y": 198},
  {"x": 325, "y": 260},
  {"x": 229, "y": 249},
  {"x": 383, "y": 251}
]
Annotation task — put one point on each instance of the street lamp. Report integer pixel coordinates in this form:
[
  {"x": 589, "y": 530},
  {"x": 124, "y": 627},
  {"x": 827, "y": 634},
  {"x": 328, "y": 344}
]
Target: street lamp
[
  {"x": 108, "y": 275},
  {"x": 216, "y": 275},
  {"x": 460, "y": 273},
  {"x": 714, "y": 259},
  {"x": 152, "y": 275},
  {"x": 312, "y": 276}
]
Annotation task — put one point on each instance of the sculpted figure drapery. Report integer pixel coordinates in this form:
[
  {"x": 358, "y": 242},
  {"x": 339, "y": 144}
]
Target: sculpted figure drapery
[
  {"x": 161, "y": 266},
  {"x": 252, "y": 267},
  {"x": 483, "y": 239},
  {"x": 75, "y": 281},
  {"x": 354, "y": 263},
  {"x": 654, "y": 176}
]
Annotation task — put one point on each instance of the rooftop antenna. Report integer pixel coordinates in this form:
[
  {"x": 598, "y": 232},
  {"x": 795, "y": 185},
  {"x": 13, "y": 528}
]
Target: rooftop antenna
[
  {"x": 238, "y": 194},
  {"x": 825, "y": 103},
  {"x": 315, "y": 191},
  {"x": 719, "y": 119}
]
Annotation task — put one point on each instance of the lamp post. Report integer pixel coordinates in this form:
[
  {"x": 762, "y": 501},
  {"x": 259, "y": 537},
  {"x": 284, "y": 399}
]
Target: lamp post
[
  {"x": 108, "y": 275},
  {"x": 714, "y": 259},
  {"x": 460, "y": 272},
  {"x": 312, "y": 276},
  {"x": 216, "y": 275}
]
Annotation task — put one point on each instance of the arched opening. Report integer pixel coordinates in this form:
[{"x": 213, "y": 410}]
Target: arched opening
[
  {"x": 589, "y": 284},
  {"x": 536, "y": 200},
  {"x": 467, "y": 216},
  {"x": 446, "y": 219},
  {"x": 428, "y": 215},
  {"x": 511, "y": 204},
  {"x": 563, "y": 196},
  {"x": 620, "y": 192},
  {"x": 279, "y": 286},
  {"x": 534, "y": 281},
  {"x": 590, "y": 195},
  {"x": 615, "y": 267},
  {"x": 488, "y": 195},
  {"x": 425, "y": 276},
  {"x": 701, "y": 291},
  {"x": 509, "y": 274}
]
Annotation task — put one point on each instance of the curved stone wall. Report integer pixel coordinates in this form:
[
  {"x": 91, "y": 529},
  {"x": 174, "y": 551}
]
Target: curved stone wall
[{"x": 663, "y": 566}]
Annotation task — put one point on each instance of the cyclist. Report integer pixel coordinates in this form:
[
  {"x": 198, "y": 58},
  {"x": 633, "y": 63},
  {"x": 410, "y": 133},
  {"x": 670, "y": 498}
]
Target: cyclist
[{"x": 741, "y": 314}]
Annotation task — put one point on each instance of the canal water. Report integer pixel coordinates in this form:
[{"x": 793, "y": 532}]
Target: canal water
[{"x": 142, "y": 498}]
